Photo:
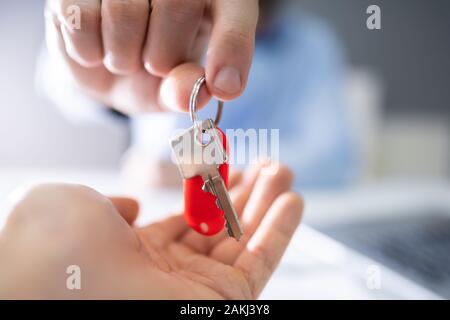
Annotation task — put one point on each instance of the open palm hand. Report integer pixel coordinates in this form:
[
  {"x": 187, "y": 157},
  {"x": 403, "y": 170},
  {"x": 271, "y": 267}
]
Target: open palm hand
[{"x": 164, "y": 260}]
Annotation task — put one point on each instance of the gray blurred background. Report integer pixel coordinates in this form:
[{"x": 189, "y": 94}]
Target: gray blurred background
[
  {"x": 398, "y": 88},
  {"x": 410, "y": 53}
]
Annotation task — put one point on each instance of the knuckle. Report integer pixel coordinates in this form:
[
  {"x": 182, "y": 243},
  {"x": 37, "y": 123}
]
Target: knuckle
[
  {"x": 125, "y": 11},
  {"x": 238, "y": 36},
  {"x": 90, "y": 21},
  {"x": 85, "y": 15},
  {"x": 181, "y": 11}
]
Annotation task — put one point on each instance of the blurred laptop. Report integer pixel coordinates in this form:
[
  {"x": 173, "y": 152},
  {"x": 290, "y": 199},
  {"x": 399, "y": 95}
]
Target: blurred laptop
[{"x": 403, "y": 228}]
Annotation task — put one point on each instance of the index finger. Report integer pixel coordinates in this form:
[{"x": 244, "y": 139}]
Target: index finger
[{"x": 231, "y": 47}]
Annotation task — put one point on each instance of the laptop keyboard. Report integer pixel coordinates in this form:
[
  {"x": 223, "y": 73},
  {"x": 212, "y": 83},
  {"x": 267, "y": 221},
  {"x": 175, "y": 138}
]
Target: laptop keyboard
[{"x": 418, "y": 247}]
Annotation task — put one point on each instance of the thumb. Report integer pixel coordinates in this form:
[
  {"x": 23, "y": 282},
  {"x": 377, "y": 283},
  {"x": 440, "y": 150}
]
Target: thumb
[
  {"x": 127, "y": 207},
  {"x": 231, "y": 47}
]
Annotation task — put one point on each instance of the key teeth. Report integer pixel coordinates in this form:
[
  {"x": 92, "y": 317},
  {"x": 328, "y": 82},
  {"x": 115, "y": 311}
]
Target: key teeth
[
  {"x": 230, "y": 232},
  {"x": 218, "y": 204},
  {"x": 207, "y": 187}
]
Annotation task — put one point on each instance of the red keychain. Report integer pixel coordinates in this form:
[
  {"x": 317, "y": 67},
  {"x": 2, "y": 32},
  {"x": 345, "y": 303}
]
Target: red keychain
[
  {"x": 200, "y": 209},
  {"x": 201, "y": 153}
]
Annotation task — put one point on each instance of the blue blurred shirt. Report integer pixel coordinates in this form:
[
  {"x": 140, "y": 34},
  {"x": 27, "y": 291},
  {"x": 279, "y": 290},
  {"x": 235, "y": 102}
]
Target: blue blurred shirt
[{"x": 295, "y": 85}]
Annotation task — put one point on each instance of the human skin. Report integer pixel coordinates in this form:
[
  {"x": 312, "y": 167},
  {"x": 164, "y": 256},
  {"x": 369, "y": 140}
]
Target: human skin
[
  {"x": 53, "y": 226},
  {"x": 141, "y": 55}
]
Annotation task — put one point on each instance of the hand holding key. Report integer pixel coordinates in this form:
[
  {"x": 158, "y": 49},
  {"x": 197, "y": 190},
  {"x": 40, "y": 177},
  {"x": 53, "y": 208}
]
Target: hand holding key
[
  {"x": 139, "y": 55},
  {"x": 164, "y": 260}
]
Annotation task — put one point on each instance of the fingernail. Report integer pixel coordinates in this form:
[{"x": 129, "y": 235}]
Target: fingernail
[
  {"x": 108, "y": 62},
  {"x": 168, "y": 95},
  {"x": 228, "y": 80},
  {"x": 148, "y": 67}
]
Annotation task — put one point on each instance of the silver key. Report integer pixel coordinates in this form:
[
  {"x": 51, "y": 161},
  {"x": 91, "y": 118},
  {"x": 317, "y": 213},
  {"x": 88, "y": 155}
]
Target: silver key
[{"x": 199, "y": 152}]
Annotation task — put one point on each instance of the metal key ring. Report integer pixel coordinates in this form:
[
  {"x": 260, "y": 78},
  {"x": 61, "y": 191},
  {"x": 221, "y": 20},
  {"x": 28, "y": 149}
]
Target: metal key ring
[{"x": 193, "y": 103}]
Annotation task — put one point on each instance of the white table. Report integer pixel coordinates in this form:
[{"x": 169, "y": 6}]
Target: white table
[{"x": 314, "y": 267}]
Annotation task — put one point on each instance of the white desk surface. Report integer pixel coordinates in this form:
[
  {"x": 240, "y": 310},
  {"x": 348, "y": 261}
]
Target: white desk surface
[{"x": 314, "y": 267}]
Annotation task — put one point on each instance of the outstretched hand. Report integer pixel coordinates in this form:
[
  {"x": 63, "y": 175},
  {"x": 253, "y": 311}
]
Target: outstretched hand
[{"x": 55, "y": 226}]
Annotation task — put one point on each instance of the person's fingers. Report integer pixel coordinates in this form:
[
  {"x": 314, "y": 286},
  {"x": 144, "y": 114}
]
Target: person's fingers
[
  {"x": 136, "y": 94},
  {"x": 230, "y": 50},
  {"x": 163, "y": 232},
  {"x": 130, "y": 95},
  {"x": 94, "y": 80},
  {"x": 235, "y": 177},
  {"x": 124, "y": 26},
  {"x": 265, "y": 249},
  {"x": 127, "y": 207},
  {"x": 201, "y": 41},
  {"x": 176, "y": 88},
  {"x": 174, "y": 25},
  {"x": 81, "y": 29},
  {"x": 240, "y": 193},
  {"x": 267, "y": 188}
]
